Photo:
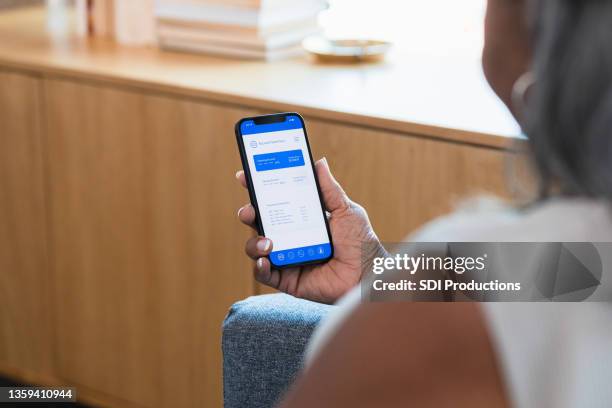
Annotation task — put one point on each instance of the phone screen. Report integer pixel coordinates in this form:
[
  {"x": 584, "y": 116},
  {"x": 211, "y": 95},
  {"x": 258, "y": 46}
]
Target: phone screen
[{"x": 286, "y": 193}]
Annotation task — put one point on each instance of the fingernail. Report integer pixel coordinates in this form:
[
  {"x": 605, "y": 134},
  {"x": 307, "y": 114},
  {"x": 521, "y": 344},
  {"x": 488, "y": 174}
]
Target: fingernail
[
  {"x": 239, "y": 211},
  {"x": 238, "y": 173},
  {"x": 263, "y": 276},
  {"x": 324, "y": 161},
  {"x": 263, "y": 245}
]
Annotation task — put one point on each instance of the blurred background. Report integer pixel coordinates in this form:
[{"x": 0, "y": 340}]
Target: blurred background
[
  {"x": 408, "y": 25},
  {"x": 120, "y": 251},
  {"x": 441, "y": 27}
]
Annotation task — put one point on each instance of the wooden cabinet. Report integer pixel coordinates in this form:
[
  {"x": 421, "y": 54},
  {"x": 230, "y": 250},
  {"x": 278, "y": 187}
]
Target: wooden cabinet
[
  {"x": 120, "y": 249},
  {"x": 146, "y": 243},
  {"x": 26, "y": 334}
]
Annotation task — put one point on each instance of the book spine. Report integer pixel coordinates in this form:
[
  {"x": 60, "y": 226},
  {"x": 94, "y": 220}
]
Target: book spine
[
  {"x": 269, "y": 55},
  {"x": 237, "y": 41},
  {"x": 205, "y": 13}
]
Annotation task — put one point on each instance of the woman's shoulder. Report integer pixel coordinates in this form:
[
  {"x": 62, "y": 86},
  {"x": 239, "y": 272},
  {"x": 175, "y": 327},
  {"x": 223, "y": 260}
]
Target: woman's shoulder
[{"x": 492, "y": 220}]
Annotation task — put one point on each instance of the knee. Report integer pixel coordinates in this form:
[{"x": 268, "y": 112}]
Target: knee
[{"x": 272, "y": 314}]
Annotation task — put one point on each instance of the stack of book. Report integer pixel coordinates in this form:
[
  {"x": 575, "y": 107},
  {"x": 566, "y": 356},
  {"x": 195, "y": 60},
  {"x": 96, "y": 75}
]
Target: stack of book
[{"x": 253, "y": 29}]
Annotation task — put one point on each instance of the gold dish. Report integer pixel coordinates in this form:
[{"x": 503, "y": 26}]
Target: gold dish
[{"x": 346, "y": 50}]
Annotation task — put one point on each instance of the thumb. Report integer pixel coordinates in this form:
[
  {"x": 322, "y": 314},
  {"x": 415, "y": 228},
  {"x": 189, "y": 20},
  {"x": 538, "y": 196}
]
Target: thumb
[{"x": 334, "y": 196}]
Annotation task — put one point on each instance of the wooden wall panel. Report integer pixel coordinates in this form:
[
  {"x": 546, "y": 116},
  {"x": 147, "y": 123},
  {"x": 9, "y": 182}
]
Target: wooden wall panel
[
  {"x": 26, "y": 341},
  {"x": 147, "y": 246},
  {"x": 405, "y": 181}
]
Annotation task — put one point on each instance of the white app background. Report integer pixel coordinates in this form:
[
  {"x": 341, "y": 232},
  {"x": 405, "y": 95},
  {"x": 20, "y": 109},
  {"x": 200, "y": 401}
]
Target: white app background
[{"x": 288, "y": 198}]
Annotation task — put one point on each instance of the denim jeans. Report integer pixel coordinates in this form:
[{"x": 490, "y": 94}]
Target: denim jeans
[{"x": 264, "y": 338}]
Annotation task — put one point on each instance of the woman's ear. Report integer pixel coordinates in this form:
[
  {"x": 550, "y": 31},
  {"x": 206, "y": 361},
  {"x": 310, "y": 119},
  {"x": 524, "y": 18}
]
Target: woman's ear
[{"x": 507, "y": 49}]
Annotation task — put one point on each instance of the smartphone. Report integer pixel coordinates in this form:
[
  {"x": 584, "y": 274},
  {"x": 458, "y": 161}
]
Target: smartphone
[{"x": 284, "y": 189}]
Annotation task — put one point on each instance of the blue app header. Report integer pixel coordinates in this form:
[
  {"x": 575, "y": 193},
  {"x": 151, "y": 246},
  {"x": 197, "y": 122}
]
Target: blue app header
[
  {"x": 248, "y": 127},
  {"x": 278, "y": 160}
]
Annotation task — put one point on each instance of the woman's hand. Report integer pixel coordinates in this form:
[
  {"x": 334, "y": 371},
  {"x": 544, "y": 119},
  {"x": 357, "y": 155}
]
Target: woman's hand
[{"x": 350, "y": 229}]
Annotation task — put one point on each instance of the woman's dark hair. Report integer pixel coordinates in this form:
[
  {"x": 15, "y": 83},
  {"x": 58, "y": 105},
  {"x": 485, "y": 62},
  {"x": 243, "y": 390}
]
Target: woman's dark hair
[{"x": 568, "y": 116}]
